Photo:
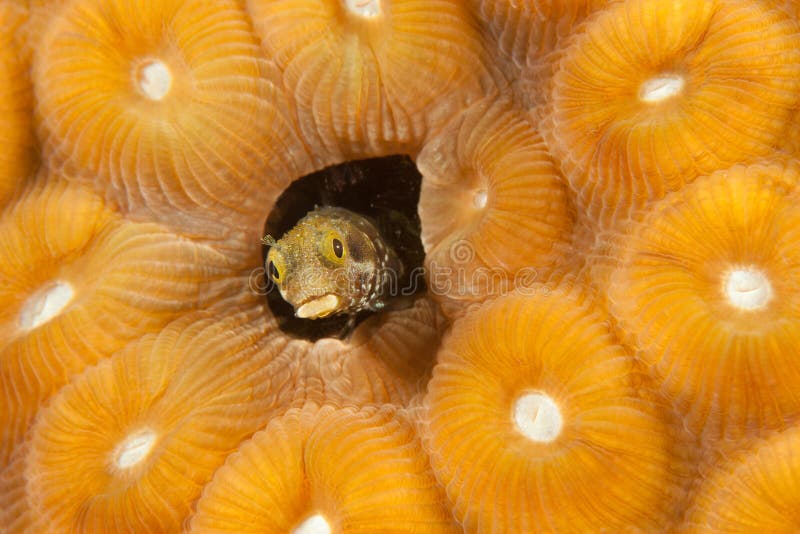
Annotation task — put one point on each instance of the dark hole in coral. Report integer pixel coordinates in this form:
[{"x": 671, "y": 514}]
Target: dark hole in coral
[{"x": 384, "y": 189}]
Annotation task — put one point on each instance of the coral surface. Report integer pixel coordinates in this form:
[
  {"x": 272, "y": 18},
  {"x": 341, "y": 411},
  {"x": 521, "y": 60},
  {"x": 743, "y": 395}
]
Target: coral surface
[{"x": 597, "y": 323}]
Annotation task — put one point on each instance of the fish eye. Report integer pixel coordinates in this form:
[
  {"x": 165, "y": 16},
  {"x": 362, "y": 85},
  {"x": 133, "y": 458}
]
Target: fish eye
[
  {"x": 276, "y": 267},
  {"x": 332, "y": 247}
]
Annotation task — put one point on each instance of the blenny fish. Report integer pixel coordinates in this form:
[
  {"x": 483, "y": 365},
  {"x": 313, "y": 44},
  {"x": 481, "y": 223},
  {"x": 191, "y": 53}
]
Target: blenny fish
[{"x": 333, "y": 261}]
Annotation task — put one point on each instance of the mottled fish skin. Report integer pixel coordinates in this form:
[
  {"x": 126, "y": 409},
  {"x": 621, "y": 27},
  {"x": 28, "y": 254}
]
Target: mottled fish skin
[{"x": 333, "y": 261}]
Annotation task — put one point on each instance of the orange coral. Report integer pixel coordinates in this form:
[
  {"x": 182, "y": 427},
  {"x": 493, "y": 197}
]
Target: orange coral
[
  {"x": 162, "y": 414},
  {"x": 790, "y": 7},
  {"x": 494, "y": 209},
  {"x": 134, "y": 360},
  {"x": 369, "y": 77},
  {"x": 15, "y": 514},
  {"x": 77, "y": 283},
  {"x": 721, "y": 257},
  {"x": 165, "y": 106},
  {"x": 534, "y": 423},
  {"x": 386, "y": 360},
  {"x": 653, "y": 94},
  {"x": 16, "y": 105},
  {"x": 326, "y": 470},
  {"x": 757, "y": 490},
  {"x": 526, "y": 31}
]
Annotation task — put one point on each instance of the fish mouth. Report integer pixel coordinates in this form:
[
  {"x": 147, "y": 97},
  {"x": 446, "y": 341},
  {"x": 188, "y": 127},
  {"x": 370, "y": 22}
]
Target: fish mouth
[{"x": 318, "y": 307}]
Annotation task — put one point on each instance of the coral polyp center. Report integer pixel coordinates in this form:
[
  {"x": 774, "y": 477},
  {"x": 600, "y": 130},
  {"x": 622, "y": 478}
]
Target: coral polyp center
[
  {"x": 537, "y": 417},
  {"x": 134, "y": 449},
  {"x": 747, "y": 289},
  {"x": 316, "y": 524},
  {"x": 364, "y": 8},
  {"x": 153, "y": 79},
  {"x": 661, "y": 88},
  {"x": 45, "y": 304},
  {"x": 480, "y": 199}
]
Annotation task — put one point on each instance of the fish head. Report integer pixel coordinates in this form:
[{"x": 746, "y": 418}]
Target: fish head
[{"x": 326, "y": 264}]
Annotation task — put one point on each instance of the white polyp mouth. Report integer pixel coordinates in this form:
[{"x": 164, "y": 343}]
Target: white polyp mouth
[
  {"x": 135, "y": 448},
  {"x": 316, "y": 524},
  {"x": 537, "y": 417},
  {"x": 661, "y": 88},
  {"x": 364, "y": 8},
  {"x": 480, "y": 199},
  {"x": 747, "y": 289},
  {"x": 45, "y": 304},
  {"x": 154, "y": 79}
]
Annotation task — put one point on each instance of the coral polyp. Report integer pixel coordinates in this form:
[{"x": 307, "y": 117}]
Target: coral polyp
[
  {"x": 160, "y": 413},
  {"x": 66, "y": 290},
  {"x": 187, "y": 113},
  {"x": 720, "y": 255},
  {"x": 532, "y": 404},
  {"x": 494, "y": 208},
  {"x": 757, "y": 489},
  {"x": 372, "y": 77},
  {"x": 317, "y": 470},
  {"x": 636, "y": 116}
]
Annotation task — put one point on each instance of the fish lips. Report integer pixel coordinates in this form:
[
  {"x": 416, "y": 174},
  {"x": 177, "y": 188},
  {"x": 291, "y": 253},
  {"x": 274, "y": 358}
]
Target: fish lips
[{"x": 318, "y": 307}]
